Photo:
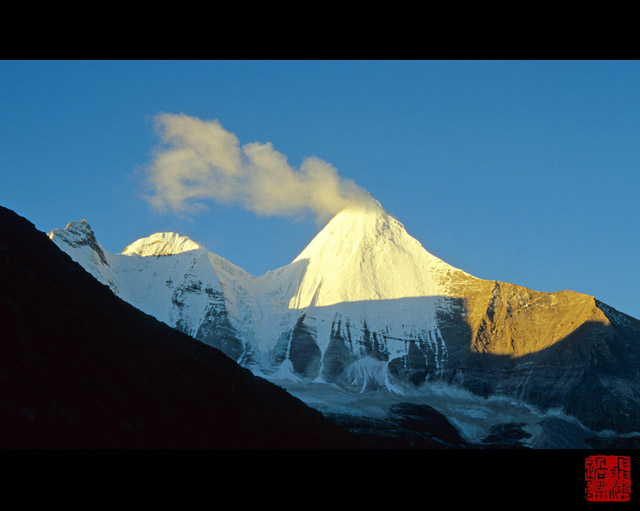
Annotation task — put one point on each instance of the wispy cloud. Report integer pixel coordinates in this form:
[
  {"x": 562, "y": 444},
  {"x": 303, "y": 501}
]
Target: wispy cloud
[{"x": 199, "y": 161}]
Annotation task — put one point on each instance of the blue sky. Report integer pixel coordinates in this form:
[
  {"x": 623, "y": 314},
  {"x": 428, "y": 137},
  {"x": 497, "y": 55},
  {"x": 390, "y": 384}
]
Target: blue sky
[{"x": 520, "y": 171}]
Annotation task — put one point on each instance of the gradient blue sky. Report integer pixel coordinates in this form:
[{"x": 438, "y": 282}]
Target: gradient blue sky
[{"x": 520, "y": 171}]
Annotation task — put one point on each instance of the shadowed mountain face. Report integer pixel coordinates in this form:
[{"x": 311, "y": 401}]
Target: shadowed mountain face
[
  {"x": 561, "y": 350},
  {"x": 80, "y": 368}
]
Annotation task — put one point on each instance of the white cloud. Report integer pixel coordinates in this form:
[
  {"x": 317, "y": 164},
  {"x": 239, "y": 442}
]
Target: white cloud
[{"x": 200, "y": 161}]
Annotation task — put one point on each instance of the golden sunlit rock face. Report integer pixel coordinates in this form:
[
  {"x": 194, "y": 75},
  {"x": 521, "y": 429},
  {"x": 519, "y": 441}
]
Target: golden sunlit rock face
[{"x": 506, "y": 319}]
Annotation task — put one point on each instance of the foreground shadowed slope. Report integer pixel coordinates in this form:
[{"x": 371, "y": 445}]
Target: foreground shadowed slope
[{"x": 80, "y": 368}]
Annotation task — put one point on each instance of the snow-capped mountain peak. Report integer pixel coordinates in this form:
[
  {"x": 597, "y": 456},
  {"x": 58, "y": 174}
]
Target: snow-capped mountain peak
[
  {"x": 161, "y": 244},
  {"x": 365, "y": 307},
  {"x": 79, "y": 235},
  {"x": 365, "y": 254},
  {"x": 75, "y": 233}
]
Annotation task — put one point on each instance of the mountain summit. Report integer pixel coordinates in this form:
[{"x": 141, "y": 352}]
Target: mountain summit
[
  {"x": 160, "y": 244},
  {"x": 364, "y": 307},
  {"x": 365, "y": 254}
]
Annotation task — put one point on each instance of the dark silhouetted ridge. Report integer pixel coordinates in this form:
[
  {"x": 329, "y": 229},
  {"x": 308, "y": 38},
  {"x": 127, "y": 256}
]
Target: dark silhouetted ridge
[{"x": 80, "y": 368}]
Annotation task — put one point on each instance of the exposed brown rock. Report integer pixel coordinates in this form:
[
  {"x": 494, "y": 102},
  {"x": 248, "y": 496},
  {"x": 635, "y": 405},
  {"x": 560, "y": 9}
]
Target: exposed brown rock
[
  {"x": 562, "y": 350},
  {"x": 506, "y": 319}
]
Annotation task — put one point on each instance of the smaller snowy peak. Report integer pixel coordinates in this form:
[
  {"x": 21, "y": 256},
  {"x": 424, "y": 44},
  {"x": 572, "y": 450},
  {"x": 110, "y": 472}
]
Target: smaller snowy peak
[
  {"x": 161, "y": 244},
  {"x": 74, "y": 233},
  {"x": 78, "y": 235}
]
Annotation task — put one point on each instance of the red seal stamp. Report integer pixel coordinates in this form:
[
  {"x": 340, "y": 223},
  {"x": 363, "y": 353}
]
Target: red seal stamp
[{"x": 607, "y": 478}]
